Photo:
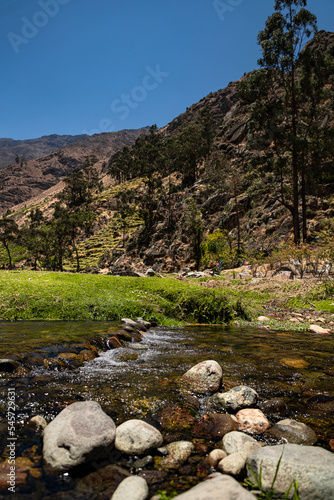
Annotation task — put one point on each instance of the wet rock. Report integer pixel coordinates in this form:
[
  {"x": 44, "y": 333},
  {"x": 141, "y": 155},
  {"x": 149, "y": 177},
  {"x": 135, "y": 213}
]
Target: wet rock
[
  {"x": 38, "y": 423},
  {"x": 130, "y": 322},
  {"x": 217, "y": 487},
  {"x": 312, "y": 467},
  {"x": 113, "y": 343},
  {"x": 274, "y": 408},
  {"x": 133, "y": 487},
  {"x": 136, "y": 437},
  {"x": 87, "y": 355},
  {"x": 153, "y": 476},
  {"x": 215, "y": 425},
  {"x": 141, "y": 321},
  {"x": 252, "y": 421},
  {"x": 143, "y": 462},
  {"x": 23, "y": 468},
  {"x": 80, "y": 432},
  {"x": 234, "y": 442},
  {"x": 236, "y": 398},
  {"x": 103, "y": 480},
  {"x": 178, "y": 453},
  {"x": 203, "y": 377},
  {"x": 176, "y": 418},
  {"x": 215, "y": 456},
  {"x": 293, "y": 432},
  {"x": 295, "y": 363},
  {"x": 8, "y": 365}
]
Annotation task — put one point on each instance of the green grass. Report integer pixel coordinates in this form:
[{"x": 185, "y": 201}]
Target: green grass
[{"x": 28, "y": 295}]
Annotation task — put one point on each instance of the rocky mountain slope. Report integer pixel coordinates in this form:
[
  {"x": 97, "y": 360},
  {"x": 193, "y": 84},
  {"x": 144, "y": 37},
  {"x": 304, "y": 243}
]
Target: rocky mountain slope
[
  {"x": 21, "y": 151},
  {"x": 19, "y": 183}
]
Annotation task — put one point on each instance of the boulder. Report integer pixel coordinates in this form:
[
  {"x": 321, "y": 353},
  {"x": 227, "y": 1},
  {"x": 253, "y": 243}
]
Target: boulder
[
  {"x": 293, "y": 432},
  {"x": 217, "y": 487},
  {"x": 80, "y": 432},
  {"x": 136, "y": 437},
  {"x": 312, "y": 467},
  {"x": 203, "y": 377},
  {"x": 236, "y": 398},
  {"x": 178, "y": 453},
  {"x": 8, "y": 365},
  {"x": 252, "y": 421},
  {"x": 133, "y": 487}
]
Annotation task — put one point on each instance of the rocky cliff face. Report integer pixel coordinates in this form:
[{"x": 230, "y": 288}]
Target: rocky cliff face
[{"x": 20, "y": 183}]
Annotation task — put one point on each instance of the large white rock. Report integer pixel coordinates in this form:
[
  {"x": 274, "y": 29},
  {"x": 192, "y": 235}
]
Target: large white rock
[
  {"x": 204, "y": 377},
  {"x": 217, "y": 487},
  {"x": 80, "y": 432},
  {"x": 136, "y": 437},
  {"x": 131, "y": 488},
  {"x": 311, "y": 466}
]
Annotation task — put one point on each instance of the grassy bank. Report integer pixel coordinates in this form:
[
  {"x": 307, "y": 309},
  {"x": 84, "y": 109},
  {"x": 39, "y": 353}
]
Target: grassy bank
[{"x": 27, "y": 295}]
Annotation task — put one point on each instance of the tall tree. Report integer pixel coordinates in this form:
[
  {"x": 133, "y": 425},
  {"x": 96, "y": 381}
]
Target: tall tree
[
  {"x": 8, "y": 234},
  {"x": 277, "y": 92}
]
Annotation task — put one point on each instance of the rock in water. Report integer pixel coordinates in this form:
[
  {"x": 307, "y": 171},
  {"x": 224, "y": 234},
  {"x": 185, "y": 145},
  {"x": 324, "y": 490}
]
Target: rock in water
[
  {"x": 236, "y": 398},
  {"x": 178, "y": 453},
  {"x": 136, "y": 437},
  {"x": 311, "y": 466},
  {"x": 80, "y": 432},
  {"x": 217, "y": 487},
  {"x": 133, "y": 487},
  {"x": 204, "y": 377},
  {"x": 293, "y": 432}
]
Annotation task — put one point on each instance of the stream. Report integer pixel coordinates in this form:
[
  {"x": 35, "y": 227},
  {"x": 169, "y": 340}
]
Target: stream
[{"x": 139, "y": 380}]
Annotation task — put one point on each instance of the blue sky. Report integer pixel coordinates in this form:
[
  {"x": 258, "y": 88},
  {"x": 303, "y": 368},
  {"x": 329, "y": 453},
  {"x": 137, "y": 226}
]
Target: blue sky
[{"x": 84, "y": 66}]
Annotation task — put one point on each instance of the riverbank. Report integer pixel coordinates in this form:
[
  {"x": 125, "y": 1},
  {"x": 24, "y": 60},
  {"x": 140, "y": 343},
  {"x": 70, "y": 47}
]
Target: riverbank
[{"x": 170, "y": 301}]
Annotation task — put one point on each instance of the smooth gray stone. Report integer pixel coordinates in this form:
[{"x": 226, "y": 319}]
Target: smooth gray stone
[{"x": 217, "y": 487}]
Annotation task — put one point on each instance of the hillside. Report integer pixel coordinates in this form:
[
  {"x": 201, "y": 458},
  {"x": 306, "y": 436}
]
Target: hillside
[
  {"x": 25, "y": 150},
  {"x": 202, "y": 178},
  {"x": 19, "y": 183}
]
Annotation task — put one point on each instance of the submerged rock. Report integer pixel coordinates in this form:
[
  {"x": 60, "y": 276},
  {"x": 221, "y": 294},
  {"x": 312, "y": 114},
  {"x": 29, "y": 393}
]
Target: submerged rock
[
  {"x": 203, "y": 377},
  {"x": 310, "y": 466},
  {"x": 8, "y": 365},
  {"x": 215, "y": 425},
  {"x": 80, "y": 432},
  {"x": 136, "y": 437}
]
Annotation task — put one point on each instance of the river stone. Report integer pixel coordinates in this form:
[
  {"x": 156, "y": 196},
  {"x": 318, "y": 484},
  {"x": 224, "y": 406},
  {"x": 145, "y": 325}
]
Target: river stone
[
  {"x": 204, "y": 377},
  {"x": 38, "y": 423},
  {"x": 80, "y": 432},
  {"x": 8, "y": 365},
  {"x": 233, "y": 464},
  {"x": 215, "y": 456},
  {"x": 178, "y": 453},
  {"x": 234, "y": 442},
  {"x": 252, "y": 421},
  {"x": 320, "y": 330},
  {"x": 293, "y": 432},
  {"x": 136, "y": 437},
  {"x": 236, "y": 398},
  {"x": 133, "y": 487},
  {"x": 275, "y": 408},
  {"x": 215, "y": 425},
  {"x": 217, "y": 487},
  {"x": 311, "y": 466}
]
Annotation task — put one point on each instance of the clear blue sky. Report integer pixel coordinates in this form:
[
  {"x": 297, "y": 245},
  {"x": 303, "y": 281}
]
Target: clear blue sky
[{"x": 88, "y": 66}]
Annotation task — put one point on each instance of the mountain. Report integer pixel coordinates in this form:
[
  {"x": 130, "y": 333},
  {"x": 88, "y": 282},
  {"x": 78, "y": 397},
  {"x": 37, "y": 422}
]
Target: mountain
[
  {"x": 19, "y": 183},
  {"x": 12, "y": 151}
]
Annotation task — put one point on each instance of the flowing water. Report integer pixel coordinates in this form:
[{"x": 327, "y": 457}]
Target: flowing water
[{"x": 138, "y": 380}]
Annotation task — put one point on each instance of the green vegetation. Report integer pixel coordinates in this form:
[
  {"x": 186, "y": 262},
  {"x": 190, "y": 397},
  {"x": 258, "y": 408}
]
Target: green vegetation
[{"x": 63, "y": 296}]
